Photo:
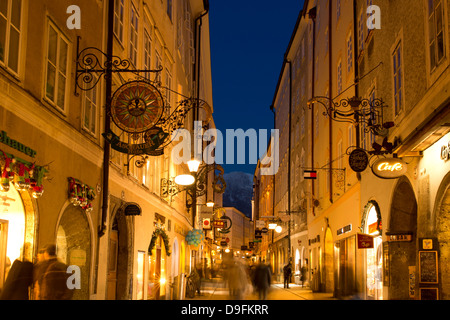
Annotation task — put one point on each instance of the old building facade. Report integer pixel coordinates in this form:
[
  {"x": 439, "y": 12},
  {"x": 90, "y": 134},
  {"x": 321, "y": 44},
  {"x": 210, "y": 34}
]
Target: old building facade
[
  {"x": 394, "y": 58},
  {"x": 119, "y": 226}
]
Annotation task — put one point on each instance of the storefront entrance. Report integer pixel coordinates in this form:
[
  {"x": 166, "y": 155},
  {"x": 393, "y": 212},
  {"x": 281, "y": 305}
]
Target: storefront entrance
[
  {"x": 345, "y": 267},
  {"x": 157, "y": 271},
  {"x": 403, "y": 220},
  {"x": 374, "y": 256},
  {"x": 74, "y": 246},
  {"x": 328, "y": 262},
  {"x": 17, "y": 230},
  {"x": 443, "y": 236},
  {"x": 119, "y": 271}
]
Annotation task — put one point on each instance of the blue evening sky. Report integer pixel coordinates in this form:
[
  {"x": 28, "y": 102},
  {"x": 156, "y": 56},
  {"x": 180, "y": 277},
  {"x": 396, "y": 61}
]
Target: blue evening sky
[{"x": 248, "y": 42}]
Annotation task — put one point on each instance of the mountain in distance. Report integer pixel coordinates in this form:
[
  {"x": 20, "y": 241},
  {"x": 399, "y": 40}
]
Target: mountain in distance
[{"x": 239, "y": 191}]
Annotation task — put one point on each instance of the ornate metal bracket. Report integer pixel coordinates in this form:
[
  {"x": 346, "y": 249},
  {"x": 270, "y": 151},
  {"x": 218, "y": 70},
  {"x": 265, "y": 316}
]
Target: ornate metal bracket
[
  {"x": 90, "y": 67},
  {"x": 363, "y": 112},
  {"x": 166, "y": 133},
  {"x": 170, "y": 189}
]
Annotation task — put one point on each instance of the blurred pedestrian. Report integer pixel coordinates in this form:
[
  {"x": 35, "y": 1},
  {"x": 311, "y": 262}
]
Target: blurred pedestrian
[
  {"x": 262, "y": 279},
  {"x": 199, "y": 276},
  {"x": 287, "y": 271},
  {"x": 20, "y": 278},
  {"x": 37, "y": 272},
  {"x": 238, "y": 282},
  {"x": 304, "y": 272},
  {"x": 53, "y": 278}
]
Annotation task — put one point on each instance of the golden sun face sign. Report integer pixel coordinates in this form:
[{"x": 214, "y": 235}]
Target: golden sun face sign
[{"x": 136, "y": 106}]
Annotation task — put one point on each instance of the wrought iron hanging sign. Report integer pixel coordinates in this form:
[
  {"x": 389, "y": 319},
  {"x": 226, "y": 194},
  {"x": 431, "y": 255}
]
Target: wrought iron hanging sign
[
  {"x": 358, "y": 160},
  {"x": 137, "y": 107}
]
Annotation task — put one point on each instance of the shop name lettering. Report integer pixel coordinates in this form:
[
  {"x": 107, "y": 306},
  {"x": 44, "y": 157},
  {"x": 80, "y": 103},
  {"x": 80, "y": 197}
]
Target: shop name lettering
[
  {"x": 385, "y": 166},
  {"x": 142, "y": 148},
  {"x": 16, "y": 145},
  {"x": 244, "y": 309},
  {"x": 445, "y": 152}
]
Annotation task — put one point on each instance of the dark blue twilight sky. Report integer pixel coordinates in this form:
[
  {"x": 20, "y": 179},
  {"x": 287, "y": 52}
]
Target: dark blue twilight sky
[{"x": 248, "y": 42}]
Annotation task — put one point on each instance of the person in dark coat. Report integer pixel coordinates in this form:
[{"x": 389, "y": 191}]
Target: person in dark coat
[
  {"x": 20, "y": 278},
  {"x": 287, "y": 271},
  {"x": 37, "y": 273},
  {"x": 262, "y": 279},
  {"x": 53, "y": 281}
]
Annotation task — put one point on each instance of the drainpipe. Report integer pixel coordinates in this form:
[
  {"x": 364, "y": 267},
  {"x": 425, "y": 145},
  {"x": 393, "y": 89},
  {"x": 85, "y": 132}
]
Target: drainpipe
[
  {"x": 312, "y": 15},
  {"x": 198, "y": 46},
  {"x": 272, "y": 108},
  {"x": 196, "y": 75},
  {"x": 289, "y": 156},
  {"x": 355, "y": 33},
  {"x": 106, "y": 146},
  {"x": 330, "y": 96}
]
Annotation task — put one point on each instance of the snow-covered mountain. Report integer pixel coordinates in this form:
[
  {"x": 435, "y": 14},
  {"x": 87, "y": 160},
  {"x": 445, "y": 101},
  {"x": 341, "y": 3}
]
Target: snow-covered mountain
[{"x": 239, "y": 191}]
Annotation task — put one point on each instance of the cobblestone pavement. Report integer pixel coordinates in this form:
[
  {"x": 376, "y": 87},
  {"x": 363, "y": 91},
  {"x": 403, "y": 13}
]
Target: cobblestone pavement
[{"x": 218, "y": 291}]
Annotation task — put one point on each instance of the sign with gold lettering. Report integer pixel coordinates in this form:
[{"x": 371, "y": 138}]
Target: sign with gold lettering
[
  {"x": 365, "y": 241},
  {"x": 389, "y": 168},
  {"x": 407, "y": 237},
  {"x": 358, "y": 160},
  {"x": 152, "y": 145}
]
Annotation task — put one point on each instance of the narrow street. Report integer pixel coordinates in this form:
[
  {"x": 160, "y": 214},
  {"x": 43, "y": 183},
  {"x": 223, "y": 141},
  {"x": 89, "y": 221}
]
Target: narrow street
[{"x": 218, "y": 291}]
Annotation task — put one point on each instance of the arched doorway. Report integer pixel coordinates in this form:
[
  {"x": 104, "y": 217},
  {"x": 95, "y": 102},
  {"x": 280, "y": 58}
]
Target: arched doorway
[
  {"x": 17, "y": 229},
  {"x": 73, "y": 240},
  {"x": 119, "y": 258},
  {"x": 328, "y": 261},
  {"x": 442, "y": 218},
  {"x": 374, "y": 256},
  {"x": 403, "y": 220},
  {"x": 157, "y": 268}
]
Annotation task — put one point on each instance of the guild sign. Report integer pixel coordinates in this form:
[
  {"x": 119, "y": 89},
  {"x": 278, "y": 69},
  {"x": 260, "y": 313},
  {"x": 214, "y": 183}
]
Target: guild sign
[
  {"x": 136, "y": 106},
  {"x": 391, "y": 168},
  {"x": 358, "y": 160}
]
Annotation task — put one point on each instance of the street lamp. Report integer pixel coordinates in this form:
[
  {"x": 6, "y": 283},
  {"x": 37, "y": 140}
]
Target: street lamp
[
  {"x": 188, "y": 179},
  {"x": 193, "y": 165},
  {"x": 184, "y": 179},
  {"x": 194, "y": 183}
]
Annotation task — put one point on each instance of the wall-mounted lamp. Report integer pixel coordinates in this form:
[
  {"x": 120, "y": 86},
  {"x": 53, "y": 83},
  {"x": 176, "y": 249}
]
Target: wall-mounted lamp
[
  {"x": 272, "y": 226},
  {"x": 184, "y": 179},
  {"x": 193, "y": 165}
]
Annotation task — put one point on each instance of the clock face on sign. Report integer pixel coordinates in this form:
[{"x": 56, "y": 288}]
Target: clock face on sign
[{"x": 136, "y": 106}]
